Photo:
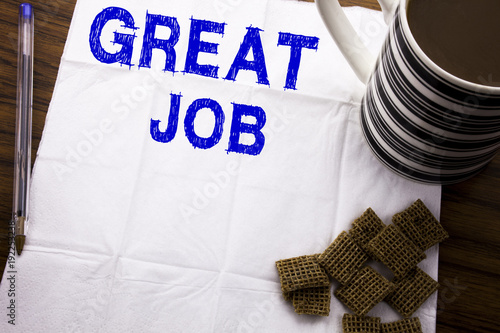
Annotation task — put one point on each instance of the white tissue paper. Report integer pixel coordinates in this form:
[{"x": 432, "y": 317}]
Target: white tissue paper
[{"x": 132, "y": 234}]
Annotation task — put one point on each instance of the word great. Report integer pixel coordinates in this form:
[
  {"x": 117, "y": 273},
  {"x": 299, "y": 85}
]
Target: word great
[{"x": 251, "y": 41}]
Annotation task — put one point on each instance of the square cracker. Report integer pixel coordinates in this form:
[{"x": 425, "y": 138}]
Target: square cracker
[
  {"x": 364, "y": 291},
  {"x": 411, "y": 325},
  {"x": 312, "y": 301},
  {"x": 411, "y": 292},
  {"x": 352, "y": 323},
  {"x": 301, "y": 272},
  {"x": 420, "y": 226},
  {"x": 343, "y": 258},
  {"x": 392, "y": 248},
  {"x": 365, "y": 228}
]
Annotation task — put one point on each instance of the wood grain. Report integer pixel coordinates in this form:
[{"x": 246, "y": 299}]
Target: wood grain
[{"x": 469, "y": 271}]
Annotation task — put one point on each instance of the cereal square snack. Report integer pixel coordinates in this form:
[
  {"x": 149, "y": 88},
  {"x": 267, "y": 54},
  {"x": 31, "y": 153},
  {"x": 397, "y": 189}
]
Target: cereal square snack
[
  {"x": 420, "y": 226},
  {"x": 425, "y": 233},
  {"x": 301, "y": 272},
  {"x": 366, "y": 289},
  {"x": 411, "y": 292},
  {"x": 411, "y": 325},
  {"x": 366, "y": 227},
  {"x": 418, "y": 210},
  {"x": 356, "y": 324},
  {"x": 343, "y": 258},
  {"x": 392, "y": 248},
  {"x": 312, "y": 301}
]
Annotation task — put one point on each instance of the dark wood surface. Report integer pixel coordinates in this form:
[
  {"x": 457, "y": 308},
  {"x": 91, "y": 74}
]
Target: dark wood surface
[{"x": 469, "y": 264}]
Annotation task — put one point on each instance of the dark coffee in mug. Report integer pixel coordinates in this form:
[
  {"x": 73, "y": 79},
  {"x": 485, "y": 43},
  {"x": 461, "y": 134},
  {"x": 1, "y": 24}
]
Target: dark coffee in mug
[
  {"x": 420, "y": 115},
  {"x": 460, "y": 36}
]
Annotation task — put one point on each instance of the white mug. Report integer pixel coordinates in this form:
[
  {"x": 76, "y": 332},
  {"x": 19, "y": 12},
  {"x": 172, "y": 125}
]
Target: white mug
[{"x": 419, "y": 120}]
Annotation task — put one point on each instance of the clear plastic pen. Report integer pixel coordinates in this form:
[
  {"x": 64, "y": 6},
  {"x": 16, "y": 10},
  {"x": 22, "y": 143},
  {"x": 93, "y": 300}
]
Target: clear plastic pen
[{"x": 22, "y": 159}]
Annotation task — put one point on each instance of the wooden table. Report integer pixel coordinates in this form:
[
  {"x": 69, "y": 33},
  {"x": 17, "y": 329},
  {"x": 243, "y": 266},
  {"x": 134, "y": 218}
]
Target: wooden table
[{"x": 469, "y": 265}]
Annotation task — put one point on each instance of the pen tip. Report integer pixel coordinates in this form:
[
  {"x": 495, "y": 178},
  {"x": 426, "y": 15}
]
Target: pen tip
[{"x": 20, "y": 239}]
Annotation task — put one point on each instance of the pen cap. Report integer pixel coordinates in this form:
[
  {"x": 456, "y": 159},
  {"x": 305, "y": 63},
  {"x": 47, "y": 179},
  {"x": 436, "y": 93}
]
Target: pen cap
[
  {"x": 25, "y": 10},
  {"x": 26, "y": 29}
]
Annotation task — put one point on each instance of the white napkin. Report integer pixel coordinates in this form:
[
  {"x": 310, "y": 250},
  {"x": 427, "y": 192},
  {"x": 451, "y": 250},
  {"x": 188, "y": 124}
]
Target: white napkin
[{"x": 129, "y": 234}]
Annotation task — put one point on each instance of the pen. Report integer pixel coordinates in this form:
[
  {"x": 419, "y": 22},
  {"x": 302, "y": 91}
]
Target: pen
[{"x": 22, "y": 158}]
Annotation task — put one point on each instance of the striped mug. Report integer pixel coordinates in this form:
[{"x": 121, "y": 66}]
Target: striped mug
[{"x": 419, "y": 120}]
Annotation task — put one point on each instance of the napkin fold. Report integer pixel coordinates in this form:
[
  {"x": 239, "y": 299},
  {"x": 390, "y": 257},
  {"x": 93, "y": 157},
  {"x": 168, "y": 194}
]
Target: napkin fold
[{"x": 140, "y": 225}]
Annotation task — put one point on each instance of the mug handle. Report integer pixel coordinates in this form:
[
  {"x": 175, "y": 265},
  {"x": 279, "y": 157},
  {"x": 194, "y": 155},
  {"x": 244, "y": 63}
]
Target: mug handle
[{"x": 348, "y": 41}]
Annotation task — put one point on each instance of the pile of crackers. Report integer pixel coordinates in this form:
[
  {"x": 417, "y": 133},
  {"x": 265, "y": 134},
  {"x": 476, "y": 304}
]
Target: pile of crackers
[{"x": 305, "y": 280}]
